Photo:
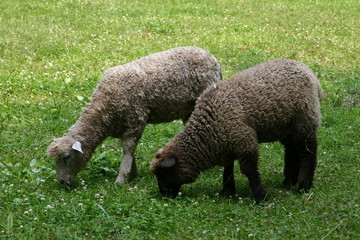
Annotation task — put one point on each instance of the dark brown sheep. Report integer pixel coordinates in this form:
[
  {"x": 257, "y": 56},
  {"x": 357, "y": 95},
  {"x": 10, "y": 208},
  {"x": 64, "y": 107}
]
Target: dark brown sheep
[{"x": 274, "y": 101}]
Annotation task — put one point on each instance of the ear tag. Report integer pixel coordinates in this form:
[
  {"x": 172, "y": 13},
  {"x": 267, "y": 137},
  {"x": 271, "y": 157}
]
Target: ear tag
[
  {"x": 77, "y": 146},
  {"x": 168, "y": 163}
]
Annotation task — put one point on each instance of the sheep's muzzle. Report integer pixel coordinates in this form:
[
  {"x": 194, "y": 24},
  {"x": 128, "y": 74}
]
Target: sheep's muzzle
[
  {"x": 169, "y": 191},
  {"x": 66, "y": 180}
]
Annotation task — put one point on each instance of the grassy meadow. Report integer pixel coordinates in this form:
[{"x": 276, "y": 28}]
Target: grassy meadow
[{"x": 52, "y": 55}]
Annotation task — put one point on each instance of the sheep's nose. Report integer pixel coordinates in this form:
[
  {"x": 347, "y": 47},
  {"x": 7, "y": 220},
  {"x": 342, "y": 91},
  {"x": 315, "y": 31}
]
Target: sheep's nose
[
  {"x": 65, "y": 181},
  {"x": 62, "y": 181},
  {"x": 170, "y": 192}
]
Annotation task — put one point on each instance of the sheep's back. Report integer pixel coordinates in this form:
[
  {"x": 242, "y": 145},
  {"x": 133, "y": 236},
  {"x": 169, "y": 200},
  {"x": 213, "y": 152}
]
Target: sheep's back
[
  {"x": 168, "y": 83},
  {"x": 273, "y": 98}
]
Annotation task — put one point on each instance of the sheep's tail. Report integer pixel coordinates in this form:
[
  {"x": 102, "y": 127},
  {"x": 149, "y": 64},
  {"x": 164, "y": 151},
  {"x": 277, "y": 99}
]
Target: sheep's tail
[{"x": 320, "y": 92}]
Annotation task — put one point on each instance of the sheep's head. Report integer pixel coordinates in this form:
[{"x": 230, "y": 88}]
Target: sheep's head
[
  {"x": 168, "y": 173},
  {"x": 69, "y": 158}
]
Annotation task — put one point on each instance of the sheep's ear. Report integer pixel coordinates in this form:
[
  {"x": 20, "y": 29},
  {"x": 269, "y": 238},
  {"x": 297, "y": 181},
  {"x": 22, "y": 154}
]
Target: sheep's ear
[
  {"x": 168, "y": 162},
  {"x": 77, "y": 146}
]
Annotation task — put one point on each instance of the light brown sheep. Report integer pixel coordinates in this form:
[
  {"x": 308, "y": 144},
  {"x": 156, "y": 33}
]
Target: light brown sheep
[
  {"x": 275, "y": 101},
  {"x": 157, "y": 88}
]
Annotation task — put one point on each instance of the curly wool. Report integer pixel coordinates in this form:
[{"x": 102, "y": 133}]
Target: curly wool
[{"x": 157, "y": 88}]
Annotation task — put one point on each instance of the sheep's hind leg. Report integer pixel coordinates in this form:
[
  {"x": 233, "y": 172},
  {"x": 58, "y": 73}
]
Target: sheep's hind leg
[
  {"x": 307, "y": 147},
  {"x": 128, "y": 169},
  {"x": 292, "y": 162},
  {"x": 228, "y": 180}
]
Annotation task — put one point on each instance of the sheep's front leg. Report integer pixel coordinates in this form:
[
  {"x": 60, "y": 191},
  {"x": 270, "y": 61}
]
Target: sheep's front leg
[
  {"x": 228, "y": 180},
  {"x": 248, "y": 166},
  {"x": 128, "y": 169}
]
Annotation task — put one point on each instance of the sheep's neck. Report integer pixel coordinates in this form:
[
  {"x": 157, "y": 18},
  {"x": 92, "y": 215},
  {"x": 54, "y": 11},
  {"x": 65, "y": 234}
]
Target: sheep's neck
[
  {"x": 90, "y": 132},
  {"x": 196, "y": 148}
]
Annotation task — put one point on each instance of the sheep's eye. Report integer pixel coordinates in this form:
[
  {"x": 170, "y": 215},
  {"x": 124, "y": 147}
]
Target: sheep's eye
[{"x": 66, "y": 156}]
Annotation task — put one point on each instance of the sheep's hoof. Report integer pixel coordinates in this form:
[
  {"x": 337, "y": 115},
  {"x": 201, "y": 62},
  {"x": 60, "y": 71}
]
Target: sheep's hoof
[
  {"x": 261, "y": 196},
  {"x": 122, "y": 179},
  {"x": 304, "y": 186},
  {"x": 228, "y": 191},
  {"x": 289, "y": 181}
]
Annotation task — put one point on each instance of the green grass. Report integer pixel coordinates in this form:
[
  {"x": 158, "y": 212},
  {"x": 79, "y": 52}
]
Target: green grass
[{"x": 52, "y": 55}]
